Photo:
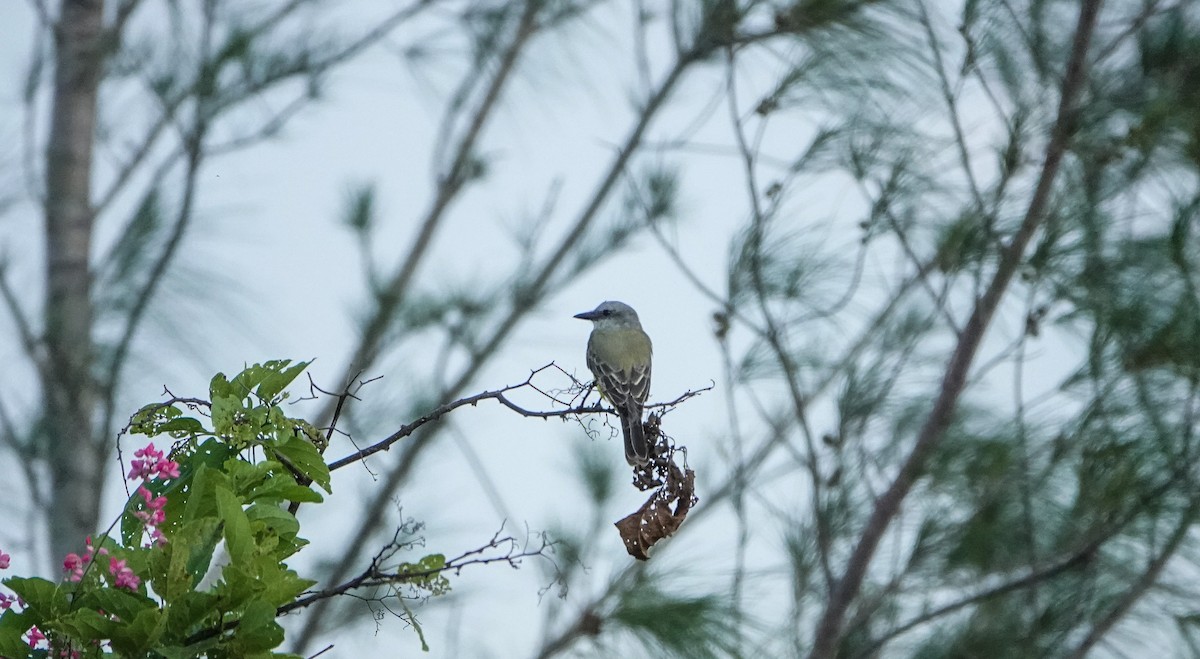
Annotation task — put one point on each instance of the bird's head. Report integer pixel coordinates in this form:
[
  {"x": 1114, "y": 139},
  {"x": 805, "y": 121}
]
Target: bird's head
[{"x": 611, "y": 314}]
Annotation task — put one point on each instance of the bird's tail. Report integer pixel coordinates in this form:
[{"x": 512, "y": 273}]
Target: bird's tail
[{"x": 637, "y": 451}]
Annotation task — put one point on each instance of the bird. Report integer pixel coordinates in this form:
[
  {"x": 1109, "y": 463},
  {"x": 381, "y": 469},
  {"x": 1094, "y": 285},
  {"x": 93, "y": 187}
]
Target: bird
[{"x": 619, "y": 354}]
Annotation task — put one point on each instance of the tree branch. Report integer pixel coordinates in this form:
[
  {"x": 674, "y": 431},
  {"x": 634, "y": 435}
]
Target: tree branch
[
  {"x": 829, "y": 629},
  {"x": 499, "y": 396},
  {"x": 377, "y": 574}
]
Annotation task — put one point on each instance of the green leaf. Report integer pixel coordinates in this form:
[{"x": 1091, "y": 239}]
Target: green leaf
[
  {"x": 304, "y": 457},
  {"x": 257, "y": 630},
  {"x": 45, "y": 599},
  {"x": 139, "y": 634},
  {"x": 263, "y": 578},
  {"x": 280, "y": 377},
  {"x": 188, "y": 557},
  {"x": 189, "y": 614},
  {"x": 411, "y": 618},
  {"x": 199, "y": 502},
  {"x": 238, "y": 539},
  {"x": 256, "y": 376},
  {"x": 185, "y": 426},
  {"x": 276, "y": 519},
  {"x": 245, "y": 476},
  {"x": 149, "y": 419},
  {"x": 426, "y": 574},
  {"x": 204, "y": 541},
  {"x": 226, "y": 411},
  {"x": 83, "y": 625},
  {"x": 12, "y": 626},
  {"x": 282, "y": 488},
  {"x": 121, "y": 603},
  {"x": 219, "y": 387}
]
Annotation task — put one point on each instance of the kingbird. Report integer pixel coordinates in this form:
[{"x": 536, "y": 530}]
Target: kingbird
[{"x": 618, "y": 355}]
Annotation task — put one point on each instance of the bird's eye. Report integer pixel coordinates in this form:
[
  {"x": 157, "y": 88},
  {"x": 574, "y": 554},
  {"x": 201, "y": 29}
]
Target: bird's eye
[{"x": 608, "y": 312}]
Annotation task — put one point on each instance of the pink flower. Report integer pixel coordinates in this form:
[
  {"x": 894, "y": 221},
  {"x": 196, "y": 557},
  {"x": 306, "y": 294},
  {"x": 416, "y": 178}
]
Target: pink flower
[
  {"x": 35, "y": 636},
  {"x": 124, "y": 577},
  {"x": 148, "y": 452},
  {"x": 156, "y": 503},
  {"x": 144, "y": 462},
  {"x": 158, "y": 538},
  {"x": 154, "y": 515},
  {"x": 73, "y": 563},
  {"x": 4, "y": 560},
  {"x": 150, "y": 463},
  {"x": 167, "y": 469},
  {"x": 6, "y": 601}
]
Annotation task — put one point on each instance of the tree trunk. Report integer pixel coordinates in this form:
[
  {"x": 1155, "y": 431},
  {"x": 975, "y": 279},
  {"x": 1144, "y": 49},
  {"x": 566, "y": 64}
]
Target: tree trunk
[{"x": 69, "y": 390}]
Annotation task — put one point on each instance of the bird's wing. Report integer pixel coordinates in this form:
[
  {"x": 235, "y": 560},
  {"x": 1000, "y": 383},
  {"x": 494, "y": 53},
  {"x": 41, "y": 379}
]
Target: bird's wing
[
  {"x": 625, "y": 389},
  {"x": 639, "y": 383}
]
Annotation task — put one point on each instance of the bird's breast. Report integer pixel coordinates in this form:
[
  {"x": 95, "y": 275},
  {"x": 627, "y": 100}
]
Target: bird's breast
[{"x": 622, "y": 348}]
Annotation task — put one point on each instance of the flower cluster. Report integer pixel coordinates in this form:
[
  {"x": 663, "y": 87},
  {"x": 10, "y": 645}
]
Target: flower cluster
[
  {"x": 149, "y": 464},
  {"x": 154, "y": 514},
  {"x": 122, "y": 576},
  {"x": 74, "y": 563}
]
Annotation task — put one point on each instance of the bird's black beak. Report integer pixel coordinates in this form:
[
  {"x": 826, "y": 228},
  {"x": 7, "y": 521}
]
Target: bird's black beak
[{"x": 587, "y": 315}]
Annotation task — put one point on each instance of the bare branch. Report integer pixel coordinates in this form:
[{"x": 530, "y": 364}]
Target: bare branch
[
  {"x": 499, "y": 396},
  {"x": 379, "y": 574}
]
